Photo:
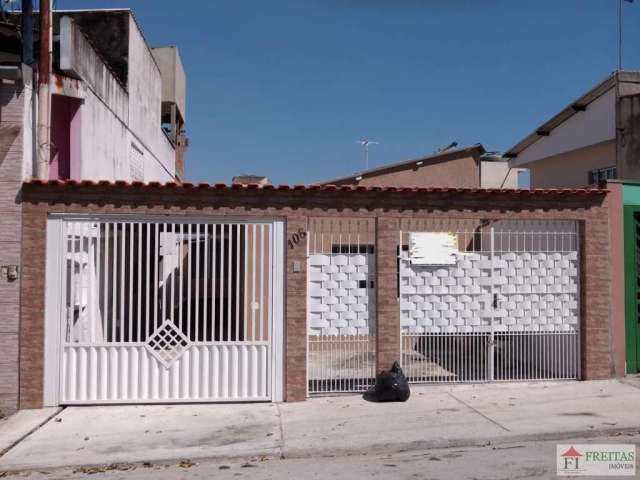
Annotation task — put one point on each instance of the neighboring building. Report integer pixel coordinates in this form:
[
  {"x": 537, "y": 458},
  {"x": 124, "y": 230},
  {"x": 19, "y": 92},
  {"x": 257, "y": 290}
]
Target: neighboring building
[
  {"x": 625, "y": 265},
  {"x": 117, "y": 110},
  {"x": 250, "y": 179},
  {"x": 465, "y": 167},
  {"x": 595, "y": 138}
]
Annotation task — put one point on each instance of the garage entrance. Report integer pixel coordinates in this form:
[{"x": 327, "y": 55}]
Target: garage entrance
[{"x": 143, "y": 310}]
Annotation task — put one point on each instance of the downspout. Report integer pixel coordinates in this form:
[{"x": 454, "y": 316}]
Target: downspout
[
  {"x": 27, "y": 32},
  {"x": 44, "y": 94}
]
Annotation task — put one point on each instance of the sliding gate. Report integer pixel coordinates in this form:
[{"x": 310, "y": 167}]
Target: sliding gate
[
  {"x": 341, "y": 317},
  {"x": 494, "y": 303},
  {"x": 163, "y": 310}
]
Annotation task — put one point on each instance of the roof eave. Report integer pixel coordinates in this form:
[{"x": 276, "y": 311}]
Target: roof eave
[
  {"x": 405, "y": 163},
  {"x": 574, "y": 107}
]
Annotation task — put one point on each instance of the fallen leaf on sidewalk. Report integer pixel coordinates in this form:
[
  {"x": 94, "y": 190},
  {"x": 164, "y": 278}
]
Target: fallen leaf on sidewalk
[
  {"x": 122, "y": 467},
  {"x": 186, "y": 464}
]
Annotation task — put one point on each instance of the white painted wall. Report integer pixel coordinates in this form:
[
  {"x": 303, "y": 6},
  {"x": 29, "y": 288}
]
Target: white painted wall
[
  {"x": 595, "y": 125},
  {"x": 498, "y": 175},
  {"x": 114, "y": 120},
  {"x": 145, "y": 101}
]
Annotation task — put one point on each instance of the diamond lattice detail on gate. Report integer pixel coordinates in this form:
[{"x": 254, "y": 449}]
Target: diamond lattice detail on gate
[{"x": 167, "y": 343}]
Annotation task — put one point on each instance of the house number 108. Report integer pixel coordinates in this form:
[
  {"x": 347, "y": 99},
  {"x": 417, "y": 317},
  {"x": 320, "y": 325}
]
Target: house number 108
[{"x": 297, "y": 237}]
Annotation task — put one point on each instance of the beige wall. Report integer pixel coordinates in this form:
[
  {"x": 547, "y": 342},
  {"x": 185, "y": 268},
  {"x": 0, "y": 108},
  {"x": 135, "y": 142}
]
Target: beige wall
[
  {"x": 498, "y": 175},
  {"x": 457, "y": 173},
  {"x": 571, "y": 169}
]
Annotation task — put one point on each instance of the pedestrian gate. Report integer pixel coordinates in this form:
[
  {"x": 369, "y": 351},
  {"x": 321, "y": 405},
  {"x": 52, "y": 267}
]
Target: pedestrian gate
[
  {"x": 341, "y": 318},
  {"x": 163, "y": 310},
  {"x": 498, "y": 302}
]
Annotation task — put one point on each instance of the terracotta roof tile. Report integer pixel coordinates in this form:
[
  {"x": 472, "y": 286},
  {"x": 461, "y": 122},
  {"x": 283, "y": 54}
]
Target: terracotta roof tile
[{"x": 316, "y": 188}]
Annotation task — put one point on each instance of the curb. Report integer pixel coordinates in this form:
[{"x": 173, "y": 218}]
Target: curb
[{"x": 399, "y": 447}]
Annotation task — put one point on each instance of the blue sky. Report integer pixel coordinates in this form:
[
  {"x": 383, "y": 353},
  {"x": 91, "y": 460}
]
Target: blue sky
[{"x": 285, "y": 88}]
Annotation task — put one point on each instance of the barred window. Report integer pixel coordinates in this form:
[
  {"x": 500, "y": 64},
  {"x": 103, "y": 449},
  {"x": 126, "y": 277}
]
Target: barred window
[{"x": 600, "y": 175}]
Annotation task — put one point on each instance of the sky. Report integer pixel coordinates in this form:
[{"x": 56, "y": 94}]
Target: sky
[{"x": 286, "y": 88}]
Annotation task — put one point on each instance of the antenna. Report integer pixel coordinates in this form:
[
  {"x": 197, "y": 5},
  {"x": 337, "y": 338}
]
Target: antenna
[{"x": 365, "y": 144}]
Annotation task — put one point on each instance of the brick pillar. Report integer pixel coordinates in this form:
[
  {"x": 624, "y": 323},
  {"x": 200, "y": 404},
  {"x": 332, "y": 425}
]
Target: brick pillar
[
  {"x": 388, "y": 330},
  {"x": 296, "y": 313}
]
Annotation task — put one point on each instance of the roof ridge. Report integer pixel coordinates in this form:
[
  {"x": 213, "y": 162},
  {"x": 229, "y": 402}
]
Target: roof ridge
[{"x": 309, "y": 188}]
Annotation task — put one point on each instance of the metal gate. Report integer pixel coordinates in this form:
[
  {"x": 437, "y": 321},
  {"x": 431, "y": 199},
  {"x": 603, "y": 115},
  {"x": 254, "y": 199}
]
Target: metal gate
[
  {"x": 163, "y": 310},
  {"x": 341, "y": 317},
  {"x": 503, "y": 305}
]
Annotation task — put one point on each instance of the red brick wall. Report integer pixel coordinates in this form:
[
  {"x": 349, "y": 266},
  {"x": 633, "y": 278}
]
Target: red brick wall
[{"x": 388, "y": 208}]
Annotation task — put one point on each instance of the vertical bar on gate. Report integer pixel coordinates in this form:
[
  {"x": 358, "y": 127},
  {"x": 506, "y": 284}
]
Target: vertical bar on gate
[
  {"x": 156, "y": 267},
  {"x": 205, "y": 284},
  {"x": 229, "y": 281},
  {"x": 97, "y": 276},
  {"x": 492, "y": 334},
  {"x": 163, "y": 240},
  {"x": 245, "y": 298},
  {"x": 130, "y": 322},
  {"x": 139, "y": 272},
  {"x": 237, "y": 291},
  {"x": 114, "y": 282},
  {"x": 214, "y": 270},
  {"x": 262, "y": 259},
  {"x": 180, "y": 257},
  {"x": 72, "y": 297},
  {"x": 172, "y": 273},
  {"x": 221, "y": 299},
  {"x": 189, "y": 275},
  {"x": 147, "y": 300},
  {"x": 253, "y": 282},
  {"x": 197, "y": 280},
  {"x": 91, "y": 309},
  {"x": 123, "y": 259},
  {"x": 85, "y": 288},
  {"x": 105, "y": 297}
]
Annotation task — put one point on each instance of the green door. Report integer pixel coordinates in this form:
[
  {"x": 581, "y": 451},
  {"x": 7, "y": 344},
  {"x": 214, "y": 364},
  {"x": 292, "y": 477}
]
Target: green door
[{"x": 632, "y": 285}]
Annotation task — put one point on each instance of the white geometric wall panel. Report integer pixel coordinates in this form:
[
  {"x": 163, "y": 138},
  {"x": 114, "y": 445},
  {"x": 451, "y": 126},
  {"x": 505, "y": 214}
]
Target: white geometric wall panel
[
  {"x": 535, "y": 292},
  {"x": 341, "y": 294}
]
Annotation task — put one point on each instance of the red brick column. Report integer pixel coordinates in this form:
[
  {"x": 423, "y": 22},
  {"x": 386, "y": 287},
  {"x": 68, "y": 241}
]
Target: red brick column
[
  {"x": 296, "y": 313},
  {"x": 388, "y": 310},
  {"x": 34, "y": 225}
]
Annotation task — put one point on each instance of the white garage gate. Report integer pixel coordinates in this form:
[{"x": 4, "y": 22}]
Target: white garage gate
[{"x": 144, "y": 310}]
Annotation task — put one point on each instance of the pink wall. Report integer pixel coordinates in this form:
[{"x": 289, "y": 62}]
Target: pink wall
[{"x": 65, "y": 138}]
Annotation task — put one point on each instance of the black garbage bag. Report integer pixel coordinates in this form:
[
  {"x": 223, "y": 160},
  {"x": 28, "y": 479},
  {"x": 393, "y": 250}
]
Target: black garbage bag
[{"x": 391, "y": 386}]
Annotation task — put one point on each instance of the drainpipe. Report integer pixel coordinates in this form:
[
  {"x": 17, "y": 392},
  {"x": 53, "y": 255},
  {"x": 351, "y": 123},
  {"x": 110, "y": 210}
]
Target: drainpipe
[
  {"x": 27, "y": 32},
  {"x": 44, "y": 96}
]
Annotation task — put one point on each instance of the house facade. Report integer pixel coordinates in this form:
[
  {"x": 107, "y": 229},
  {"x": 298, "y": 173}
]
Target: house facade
[
  {"x": 270, "y": 293},
  {"x": 592, "y": 140},
  {"x": 465, "y": 167},
  {"x": 116, "y": 113}
]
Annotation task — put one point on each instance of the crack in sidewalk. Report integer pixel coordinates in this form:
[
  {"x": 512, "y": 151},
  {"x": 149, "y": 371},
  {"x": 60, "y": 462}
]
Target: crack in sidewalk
[
  {"x": 478, "y": 412},
  {"x": 281, "y": 446},
  {"x": 34, "y": 429}
]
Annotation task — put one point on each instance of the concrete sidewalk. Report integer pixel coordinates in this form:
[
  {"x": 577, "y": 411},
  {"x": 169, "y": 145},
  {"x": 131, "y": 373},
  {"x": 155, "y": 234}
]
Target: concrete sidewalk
[{"x": 434, "y": 417}]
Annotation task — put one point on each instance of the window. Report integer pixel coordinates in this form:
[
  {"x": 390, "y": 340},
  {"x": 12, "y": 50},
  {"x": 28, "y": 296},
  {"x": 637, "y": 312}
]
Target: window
[
  {"x": 600, "y": 175},
  {"x": 351, "y": 248}
]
